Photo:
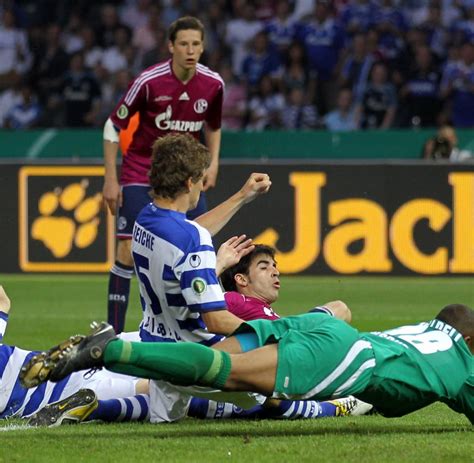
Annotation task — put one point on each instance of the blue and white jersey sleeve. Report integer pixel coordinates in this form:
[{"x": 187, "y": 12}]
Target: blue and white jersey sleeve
[
  {"x": 198, "y": 280},
  {"x": 3, "y": 325}
]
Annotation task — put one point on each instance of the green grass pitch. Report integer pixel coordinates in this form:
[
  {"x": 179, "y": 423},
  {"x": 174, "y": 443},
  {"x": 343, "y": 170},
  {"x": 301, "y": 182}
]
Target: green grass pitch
[{"x": 48, "y": 308}]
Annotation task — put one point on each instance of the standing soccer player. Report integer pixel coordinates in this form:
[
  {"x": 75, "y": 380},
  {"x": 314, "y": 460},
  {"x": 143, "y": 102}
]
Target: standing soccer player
[{"x": 178, "y": 95}]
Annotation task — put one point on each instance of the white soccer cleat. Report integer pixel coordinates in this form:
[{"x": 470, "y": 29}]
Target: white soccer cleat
[{"x": 351, "y": 406}]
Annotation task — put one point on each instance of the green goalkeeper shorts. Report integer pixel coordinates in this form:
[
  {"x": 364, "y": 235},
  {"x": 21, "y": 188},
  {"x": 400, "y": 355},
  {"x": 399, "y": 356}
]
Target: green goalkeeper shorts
[{"x": 318, "y": 355}]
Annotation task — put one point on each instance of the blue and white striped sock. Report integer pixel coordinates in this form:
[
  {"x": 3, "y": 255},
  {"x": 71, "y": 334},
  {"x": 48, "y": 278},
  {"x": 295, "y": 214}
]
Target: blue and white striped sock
[
  {"x": 134, "y": 408},
  {"x": 296, "y": 409},
  {"x": 210, "y": 409}
]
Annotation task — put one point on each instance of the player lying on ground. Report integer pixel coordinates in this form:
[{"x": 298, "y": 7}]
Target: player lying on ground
[
  {"x": 15, "y": 401},
  {"x": 256, "y": 276},
  {"x": 252, "y": 283},
  {"x": 302, "y": 357}
]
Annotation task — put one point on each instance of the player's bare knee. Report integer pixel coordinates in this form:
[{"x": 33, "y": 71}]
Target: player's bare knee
[
  {"x": 124, "y": 252},
  {"x": 142, "y": 386}
]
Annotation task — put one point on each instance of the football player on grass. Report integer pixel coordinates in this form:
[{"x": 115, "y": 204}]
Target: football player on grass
[
  {"x": 16, "y": 401},
  {"x": 255, "y": 280},
  {"x": 310, "y": 356}
]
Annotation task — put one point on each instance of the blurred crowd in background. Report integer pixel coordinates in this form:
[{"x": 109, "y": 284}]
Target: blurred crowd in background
[{"x": 301, "y": 64}]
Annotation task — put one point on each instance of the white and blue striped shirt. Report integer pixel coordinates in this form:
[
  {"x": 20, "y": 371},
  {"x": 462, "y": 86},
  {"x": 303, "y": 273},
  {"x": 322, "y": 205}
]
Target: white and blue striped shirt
[
  {"x": 20, "y": 402},
  {"x": 175, "y": 263},
  {"x": 14, "y": 399}
]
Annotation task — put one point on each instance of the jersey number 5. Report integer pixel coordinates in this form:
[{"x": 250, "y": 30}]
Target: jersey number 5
[{"x": 142, "y": 266}]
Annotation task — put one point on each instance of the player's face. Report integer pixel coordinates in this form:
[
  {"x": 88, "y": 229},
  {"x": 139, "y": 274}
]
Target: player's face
[
  {"x": 263, "y": 278},
  {"x": 186, "y": 49}
]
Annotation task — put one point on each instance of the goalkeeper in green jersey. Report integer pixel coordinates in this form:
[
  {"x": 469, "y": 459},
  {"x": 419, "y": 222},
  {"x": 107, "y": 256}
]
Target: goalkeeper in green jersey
[{"x": 311, "y": 356}]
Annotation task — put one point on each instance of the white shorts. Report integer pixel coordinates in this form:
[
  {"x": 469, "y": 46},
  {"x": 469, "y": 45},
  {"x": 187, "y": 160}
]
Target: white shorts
[
  {"x": 106, "y": 384},
  {"x": 170, "y": 403}
]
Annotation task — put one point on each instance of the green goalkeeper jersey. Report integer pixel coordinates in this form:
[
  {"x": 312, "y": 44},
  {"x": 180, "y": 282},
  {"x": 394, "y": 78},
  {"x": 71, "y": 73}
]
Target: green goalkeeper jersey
[
  {"x": 398, "y": 371},
  {"x": 417, "y": 365}
]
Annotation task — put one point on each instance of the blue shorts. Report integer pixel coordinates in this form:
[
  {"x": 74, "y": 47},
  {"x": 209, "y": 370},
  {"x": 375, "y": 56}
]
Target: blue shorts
[{"x": 134, "y": 199}]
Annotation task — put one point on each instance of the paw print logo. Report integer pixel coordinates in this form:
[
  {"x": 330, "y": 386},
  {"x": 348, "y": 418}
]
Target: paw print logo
[{"x": 67, "y": 218}]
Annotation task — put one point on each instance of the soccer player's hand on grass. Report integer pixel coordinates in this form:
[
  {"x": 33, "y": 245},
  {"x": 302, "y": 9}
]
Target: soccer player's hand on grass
[
  {"x": 257, "y": 184},
  {"x": 231, "y": 251},
  {"x": 112, "y": 195},
  {"x": 4, "y": 301}
]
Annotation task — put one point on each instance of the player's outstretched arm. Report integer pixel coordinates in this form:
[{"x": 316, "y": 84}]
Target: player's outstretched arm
[{"x": 215, "y": 219}]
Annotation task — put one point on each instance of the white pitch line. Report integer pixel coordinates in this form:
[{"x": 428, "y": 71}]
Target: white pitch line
[{"x": 15, "y": 427}]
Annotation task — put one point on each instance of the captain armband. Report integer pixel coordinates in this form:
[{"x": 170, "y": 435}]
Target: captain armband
[
  {"x": 322, "y": 309},
  {"x": 110, "y": 132}
]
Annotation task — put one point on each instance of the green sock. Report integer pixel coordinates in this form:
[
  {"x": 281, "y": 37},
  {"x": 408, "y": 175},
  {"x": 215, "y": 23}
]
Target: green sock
[{"x": 183, "y": 363}]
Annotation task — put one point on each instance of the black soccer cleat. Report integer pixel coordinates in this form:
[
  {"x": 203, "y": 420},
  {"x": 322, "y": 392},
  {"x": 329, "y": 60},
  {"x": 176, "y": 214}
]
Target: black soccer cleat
[
  {"x": 75, "y": 354},
  {"x": 39, "y": 367},
  {"x": 73, "y": 409}
]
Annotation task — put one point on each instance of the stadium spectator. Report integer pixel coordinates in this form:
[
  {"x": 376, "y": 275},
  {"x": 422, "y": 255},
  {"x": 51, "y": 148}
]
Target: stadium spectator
[
  {"x": 445, "y": 146},
  {"x": 27, "y": 113},
  {"x": 436, "y": 33},
  {"x": 92, "y": 52},
  {"x": 234, "y": 108},
  {"x": 281, "y": 29},
  {"x": 159, "y": 52},
  {"x": 295, "y": 74},
  {"x": 458, "y": 84},
  {"x": 215, "y": 23},
  {"x": 377, "y": 105},
  {"x": 298, "y": 112},
  {"x": 171, "y": 11},
  {"x": 358, "y": 16},
  {"x": 112, "y": 90},
  {"x": 265, "y": 107},
  {"x": 240, "y": 31},
  {"x": 264, "y": 9},
  {"x": 343, "y": 118},
  {"x": 144, "y": 37},
  {"x": 9, "y": 98},
  {"x": 262, "y": 60},
  {"x": 80, "y": 94},
  {"x": 109, "y": 22},
  {"x": 15, "y": 55},
  {"x": 390, "y": 25},
  {"x": 420, "y": 102},
  {"x": 71, "y": 34},
  {"x": 324, "y": 41},
  {"x": 357, "y": 65},
  {"x": 114, "y": 57},
  {"x": 390, "y": 18},
  {"x": 463, "y": 28},
  {"x": 136, "y": 14},
  {"x": 50, "y": 65}
]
